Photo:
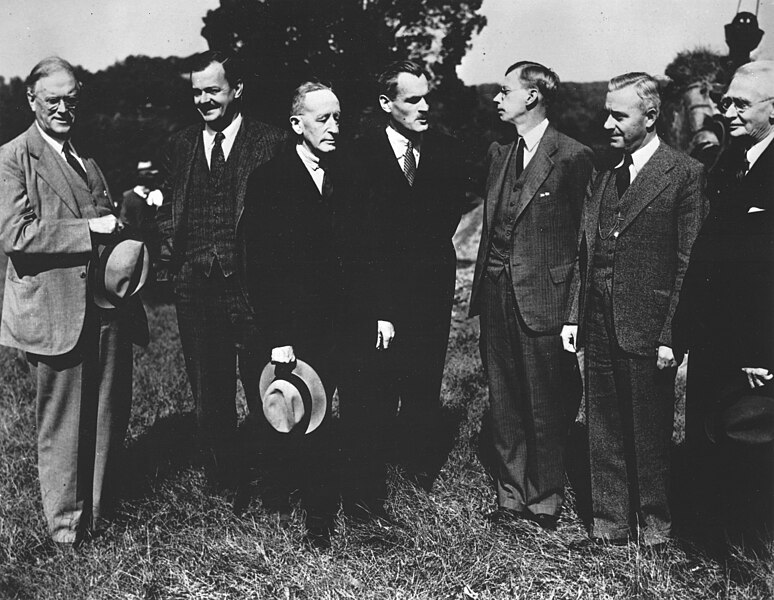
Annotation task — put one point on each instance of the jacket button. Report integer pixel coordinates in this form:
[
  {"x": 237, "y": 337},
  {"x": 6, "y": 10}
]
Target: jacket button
[{"x": 83, "y": 275}]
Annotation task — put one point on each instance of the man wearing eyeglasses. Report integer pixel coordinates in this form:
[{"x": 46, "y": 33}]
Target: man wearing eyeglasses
[
  {"x": 54, "y": 208},
  {"x": 726, "y": 317},
  {"x": 533, "y": 205},
  {"x": 639, "y": 223}
]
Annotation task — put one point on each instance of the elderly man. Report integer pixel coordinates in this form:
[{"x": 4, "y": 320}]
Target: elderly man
[
  {"x": 54, "y": 209},
  {"x": 413, "y": 184},
  {"x": 534, "y": 197},
  {"x": 293, "y": 230},
  {"x": 726, "y": 320},
  {"x": 204, "y": 180},
  {"x": 638, "y": 226}
]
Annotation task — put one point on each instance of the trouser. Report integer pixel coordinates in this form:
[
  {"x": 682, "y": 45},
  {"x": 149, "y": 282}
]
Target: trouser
[
  {"x": 534, "y": 391},
  {"x": 630, "y": 418},
  {"x": 83, "y": 406},
  {"x": 217, "y": 333}
]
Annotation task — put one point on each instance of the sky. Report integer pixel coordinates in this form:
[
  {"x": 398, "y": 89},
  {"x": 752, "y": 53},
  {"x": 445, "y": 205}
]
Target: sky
[{"x": 582, "y": 40}]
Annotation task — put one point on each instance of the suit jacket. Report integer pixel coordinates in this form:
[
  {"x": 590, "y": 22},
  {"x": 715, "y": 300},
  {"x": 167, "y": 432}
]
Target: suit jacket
[
  {"x": 261, "y": 142},
  {"x": 412, "y": 226},
  {"x": 662, "y": 213},
  {"x": 293, "y": 270},
  {"x": 44, "y": 226},
  {"x": 726, "y": 308},
  {"x": 548, "y": 202}
]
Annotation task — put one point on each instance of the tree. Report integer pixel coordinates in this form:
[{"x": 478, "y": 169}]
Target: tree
[{"x": 344, "y": 41}]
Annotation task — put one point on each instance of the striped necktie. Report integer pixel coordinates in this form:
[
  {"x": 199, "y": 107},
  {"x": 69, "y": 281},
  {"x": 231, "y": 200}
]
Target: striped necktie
[{"x": 410, "y": 163}]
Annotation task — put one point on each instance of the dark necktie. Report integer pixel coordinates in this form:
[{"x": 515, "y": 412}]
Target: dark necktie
[
  {"x": 73, "y": 162},
  {"x": 410, "y": 163},
  {"x": 327, "y": 184},
  {"x": 743, "y": 165},
  {"x": 519, "y": 166},
  {"x": 622, "y": 176},
  {"x": 217, "y": 160}
]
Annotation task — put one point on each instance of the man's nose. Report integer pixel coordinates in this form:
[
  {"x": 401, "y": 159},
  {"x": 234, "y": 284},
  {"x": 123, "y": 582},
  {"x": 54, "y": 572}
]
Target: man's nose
[{"x": 609, "y": 123}]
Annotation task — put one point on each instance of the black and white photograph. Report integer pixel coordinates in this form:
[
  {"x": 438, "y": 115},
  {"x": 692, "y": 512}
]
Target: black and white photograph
[{"x": 387, "y": 299}]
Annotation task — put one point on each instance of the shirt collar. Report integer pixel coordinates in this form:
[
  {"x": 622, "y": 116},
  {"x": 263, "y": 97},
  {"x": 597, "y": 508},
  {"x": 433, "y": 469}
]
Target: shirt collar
[
  {"x": 533, "y": 136},
  {"x": 229, "y": 133},
  {"x": 643, "y": 154},
  {"x": 311, "y": 160},
  {"x": 755, "y": 151},
  {"x": 399, "y": 142},
  {"x": 57, "y": 145}
]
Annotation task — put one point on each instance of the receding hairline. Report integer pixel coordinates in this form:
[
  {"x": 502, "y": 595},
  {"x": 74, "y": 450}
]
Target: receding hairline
[
  {"x": 759, "y": 71},
  {"x": 48, "y": 67}
]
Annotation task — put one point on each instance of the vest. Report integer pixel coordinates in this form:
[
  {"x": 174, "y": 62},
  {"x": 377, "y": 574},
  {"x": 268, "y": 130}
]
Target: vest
[{"x": 607, "y": 237}]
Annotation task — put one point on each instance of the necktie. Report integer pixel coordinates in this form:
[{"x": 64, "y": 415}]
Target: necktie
[
  {"x": 73, "y": 162},
  {"x": 410, "y": 163},
  {"x": 519, "y": 166},
  {"x": 327, "y": 186},
  {"x": 742, "y": 166},
  {"x": 622, "y": 176},
  {"x": 217, "y": 160}
]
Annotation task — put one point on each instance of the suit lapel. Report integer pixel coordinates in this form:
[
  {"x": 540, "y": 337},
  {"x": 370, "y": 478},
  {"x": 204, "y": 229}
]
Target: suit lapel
[
  {"x": 592, "y": 207},
  {"x": 537, "y": 171},
  {"x": 192, "y": 141},
  {"x": 51, "y": 170},
  {"x": 648, "y": 184},
  {"x": 497, "y": 166}
]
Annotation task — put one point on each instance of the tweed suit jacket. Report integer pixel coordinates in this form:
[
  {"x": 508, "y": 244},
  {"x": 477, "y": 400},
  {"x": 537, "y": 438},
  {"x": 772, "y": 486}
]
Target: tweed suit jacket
[
  {"x": 44, "y": 212},
  {"x": 548, "y": 203},
  {"x": 260, "y": 143},
  {"x": 662, "y": 213}
]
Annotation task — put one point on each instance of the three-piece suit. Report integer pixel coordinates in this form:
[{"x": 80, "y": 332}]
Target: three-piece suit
[{"x": 521, "y": 288}]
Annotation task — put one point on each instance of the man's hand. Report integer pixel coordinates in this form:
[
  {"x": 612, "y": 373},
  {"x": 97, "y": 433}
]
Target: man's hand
[
  {"x": 569, "y": 336},
  {"x": 105, "y": 225},
  {"x": 756, "y": 376},
  {"x": 385, "y": 332},
  {"x": 283, "y": 355},
  {"x": 665, "y": 358}
]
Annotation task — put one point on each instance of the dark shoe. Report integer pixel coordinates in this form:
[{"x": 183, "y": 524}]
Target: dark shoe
[
  {"x": 545, "y": 521},
  {"x": 363, "y": 511},
  {"x": 505, "y": 516},
  {"x": 318, "y": 537},
  {"x": 242, "y": 497}
]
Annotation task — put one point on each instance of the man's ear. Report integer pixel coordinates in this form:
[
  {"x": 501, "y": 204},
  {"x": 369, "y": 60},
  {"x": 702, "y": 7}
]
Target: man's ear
[
  {"x": 296, "y": 125},
  {"x": 651, "y": 116},
  {"x": 238, "y": 89},
  {"x": 31, "y": 100},
  {"x": 385, "y": 103}
]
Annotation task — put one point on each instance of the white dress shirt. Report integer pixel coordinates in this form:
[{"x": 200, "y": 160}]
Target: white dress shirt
[
  {"x": 312, "y": 163},
  {"x": 229, "y": 133},
  {"x": 59, "y": 146},
  {"x": 399, "y": 144},
  {"x": 532, "y": 139},
  {"x": 640, "y": 157}
]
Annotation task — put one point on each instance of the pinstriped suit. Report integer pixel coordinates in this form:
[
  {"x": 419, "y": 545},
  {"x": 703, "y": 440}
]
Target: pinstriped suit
[{"x": 533, "y": 387}]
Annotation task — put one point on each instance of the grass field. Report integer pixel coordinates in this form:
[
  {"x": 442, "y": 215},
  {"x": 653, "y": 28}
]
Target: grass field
[{"x": 172, "y": 540}]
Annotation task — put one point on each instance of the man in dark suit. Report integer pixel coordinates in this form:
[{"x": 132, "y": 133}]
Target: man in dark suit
[
  {"x": 414, "y": 187},
  {"x": 54, "y": 208},
  {"x": 292, "y": 239},
  {"x": 534, "y": 197},
  {"x": 204, "y": 178},
  {"x": 726, "y": 320},
  {"x": 638, "y": 226}
]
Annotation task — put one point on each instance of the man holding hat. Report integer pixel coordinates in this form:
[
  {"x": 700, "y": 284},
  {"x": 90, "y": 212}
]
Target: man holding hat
[
  {"x": 291, "y": 232},
  {"x": 55, "y": 211},
  {"x": 726, "y": 320}
]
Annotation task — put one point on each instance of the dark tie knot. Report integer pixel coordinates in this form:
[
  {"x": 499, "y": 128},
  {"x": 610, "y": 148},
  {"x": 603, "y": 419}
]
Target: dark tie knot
[
  {"x": 219, "y": 137},
  {"x": 623, "y": 176}
]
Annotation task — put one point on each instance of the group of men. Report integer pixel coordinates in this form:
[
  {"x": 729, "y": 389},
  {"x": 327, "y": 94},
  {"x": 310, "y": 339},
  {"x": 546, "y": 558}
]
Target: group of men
[{"x": 283, "y": 247}]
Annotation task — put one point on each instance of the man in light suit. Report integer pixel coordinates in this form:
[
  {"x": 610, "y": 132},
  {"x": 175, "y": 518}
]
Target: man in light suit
[
  {"x": 638, "y": 226},
  {"x": 726, "y": 320},
  {"x": 204, "y": 178},
  {"x": 534, "y": 197},
  {"x": 54, "y": 208}
]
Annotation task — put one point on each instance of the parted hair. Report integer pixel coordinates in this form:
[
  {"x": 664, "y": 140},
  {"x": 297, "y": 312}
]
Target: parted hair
[
  {"x": 231, "y": 64},
  {"x": 645, "y": 85},
  {"x": 314, "y": 85},
  {"x": 46, "y": 67},
  {"x": 387, "y": 80},
  {"x": 537, "y": 76}
]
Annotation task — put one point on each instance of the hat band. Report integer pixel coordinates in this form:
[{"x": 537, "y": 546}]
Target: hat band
[{"x": 299, "y": 429}]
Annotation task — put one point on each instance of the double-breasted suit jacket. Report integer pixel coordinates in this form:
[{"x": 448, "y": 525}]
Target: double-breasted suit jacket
[
  {"x": 81, "y": 354},
  {"x": 534, "y": 386}
]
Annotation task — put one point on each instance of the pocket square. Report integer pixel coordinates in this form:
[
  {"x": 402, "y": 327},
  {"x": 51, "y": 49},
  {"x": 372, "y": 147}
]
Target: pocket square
[{"x": 754, "y": 209}]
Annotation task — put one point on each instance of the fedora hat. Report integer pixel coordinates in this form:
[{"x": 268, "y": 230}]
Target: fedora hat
[
  {"x": 293, "y": 397},
  {"x": 118, "y": 272},
  {"x": 743, "y": 415}
]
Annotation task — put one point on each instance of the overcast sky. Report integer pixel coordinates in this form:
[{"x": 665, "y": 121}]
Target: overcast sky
[{"x": 583, "y": 40}]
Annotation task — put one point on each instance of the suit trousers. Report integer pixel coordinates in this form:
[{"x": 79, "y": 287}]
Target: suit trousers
[
  {"x": 217, "y": 333},
  {"x": 630, "y": 418},
  {"x": 534, "y": 391},
  {"x": 83, "y": 406}
]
